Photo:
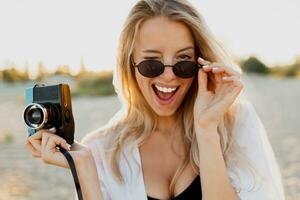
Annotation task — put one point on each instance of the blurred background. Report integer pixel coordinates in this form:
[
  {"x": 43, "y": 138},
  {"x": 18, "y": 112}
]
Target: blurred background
[{"x": 75, "y": 42}]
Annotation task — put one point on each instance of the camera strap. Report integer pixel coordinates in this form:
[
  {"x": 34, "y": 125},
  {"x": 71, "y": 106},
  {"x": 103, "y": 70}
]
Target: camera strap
[{"x": 73, "y": 170}]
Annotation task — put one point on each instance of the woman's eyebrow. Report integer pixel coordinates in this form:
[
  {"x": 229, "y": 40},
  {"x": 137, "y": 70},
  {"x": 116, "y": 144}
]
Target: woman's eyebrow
[
  {"x": 156, "y": 51},
  {"x": 150, "y": 51},
  {"x": 186, "y": 48}
]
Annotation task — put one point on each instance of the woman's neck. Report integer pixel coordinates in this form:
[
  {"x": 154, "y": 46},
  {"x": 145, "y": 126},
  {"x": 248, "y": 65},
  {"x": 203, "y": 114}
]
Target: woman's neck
[{"x": 168, "y": 125}]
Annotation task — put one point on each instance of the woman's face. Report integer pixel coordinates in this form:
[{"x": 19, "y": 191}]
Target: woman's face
[{"x": 168, "y": 41}]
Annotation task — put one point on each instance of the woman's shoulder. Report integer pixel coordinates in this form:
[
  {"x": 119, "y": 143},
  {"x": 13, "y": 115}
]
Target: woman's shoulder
[
  {"x": 251, "y": 136},
  {"x": 103, "y": 141},
  {"x": 247, "y": 122},
  {"x": 94, "y": 138}
]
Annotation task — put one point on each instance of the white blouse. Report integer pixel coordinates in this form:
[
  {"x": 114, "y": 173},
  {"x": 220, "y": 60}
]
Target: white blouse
[{"x": 250, "y": 135}]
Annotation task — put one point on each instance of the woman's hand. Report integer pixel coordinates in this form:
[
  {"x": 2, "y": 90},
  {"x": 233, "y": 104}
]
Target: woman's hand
[
  {"x": 210, "y": 106},
  {"x": 43, "y": 144}
]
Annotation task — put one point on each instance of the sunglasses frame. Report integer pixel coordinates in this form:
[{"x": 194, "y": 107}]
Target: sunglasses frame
[{"x": 173, "y": 67}]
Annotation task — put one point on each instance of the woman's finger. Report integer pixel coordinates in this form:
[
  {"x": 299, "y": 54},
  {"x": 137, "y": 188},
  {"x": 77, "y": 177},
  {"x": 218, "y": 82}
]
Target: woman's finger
[
  {"x": 32, "y": 150},
  {"x": 227, "y": 86},
  {"x": 234, "y": 79},
  {"x": 235, "y": 91},
  {"x": 234, "y": 87},
  {"x": 45, "y": 138},
  {"x": 203, "y": 61},
  {"x": 51, "y": 155},
  {"x": 35, "y": 140},
  {"x": 218, "y": 77},
  {"x": 54, "y": 141},
  {"x": 37, "y": 135},
  {"x": 46, "y": 134},
  {"x": 217, "y": 68},
  {"x": 220, "y": 87},
  {"x": 202, "y": 81},
  {"x": 220, "y": 68},
  {"x": 220, "y": 80}
]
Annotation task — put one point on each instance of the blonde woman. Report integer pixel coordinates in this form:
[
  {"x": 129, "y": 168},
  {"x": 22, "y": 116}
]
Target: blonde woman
[{"x": 183, "y": 131}]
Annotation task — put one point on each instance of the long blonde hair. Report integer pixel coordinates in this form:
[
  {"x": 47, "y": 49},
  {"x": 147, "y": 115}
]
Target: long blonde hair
[{"x": 136, "y": 120}]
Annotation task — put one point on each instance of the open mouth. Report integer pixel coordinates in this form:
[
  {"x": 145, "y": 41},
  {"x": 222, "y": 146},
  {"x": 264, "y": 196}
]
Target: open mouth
[{"x": 164, "y": 96}]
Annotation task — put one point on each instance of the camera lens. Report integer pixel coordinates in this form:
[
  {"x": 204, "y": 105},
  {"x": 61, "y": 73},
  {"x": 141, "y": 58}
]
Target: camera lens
[
  {"x": 35, "y": 116},
  {"x": 44, "y": 115}
]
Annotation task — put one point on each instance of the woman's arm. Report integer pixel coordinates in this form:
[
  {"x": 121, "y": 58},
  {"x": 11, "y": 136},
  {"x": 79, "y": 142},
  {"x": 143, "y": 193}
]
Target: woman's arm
[
  {"x": 209, "y": 108},
  {"x": 215, "y": 182},
  {"x": 88, "y": 178}
]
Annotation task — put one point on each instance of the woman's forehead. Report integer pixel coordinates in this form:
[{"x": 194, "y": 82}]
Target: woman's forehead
[{"x": 161, "y": 33}]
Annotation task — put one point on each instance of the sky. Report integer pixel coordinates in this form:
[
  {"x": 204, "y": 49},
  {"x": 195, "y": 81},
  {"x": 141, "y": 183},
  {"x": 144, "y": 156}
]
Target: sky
[{"x": 60, "y": 32}]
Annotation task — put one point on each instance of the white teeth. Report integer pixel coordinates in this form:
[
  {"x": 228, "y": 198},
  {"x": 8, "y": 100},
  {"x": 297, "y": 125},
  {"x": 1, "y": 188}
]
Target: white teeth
[{"x": 164, "y": 89}]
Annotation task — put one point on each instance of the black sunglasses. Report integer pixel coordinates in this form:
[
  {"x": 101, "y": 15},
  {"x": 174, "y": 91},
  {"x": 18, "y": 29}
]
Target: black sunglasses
[{"x": 152, "y": 68}]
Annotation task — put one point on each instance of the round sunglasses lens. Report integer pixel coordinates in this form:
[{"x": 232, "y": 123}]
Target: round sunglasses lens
[
  {"x": 150, "y": 68},
  {"x": 185, "y": 69}
]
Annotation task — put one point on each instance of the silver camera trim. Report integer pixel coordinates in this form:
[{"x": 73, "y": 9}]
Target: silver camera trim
[{"x": 34, "y": 106}]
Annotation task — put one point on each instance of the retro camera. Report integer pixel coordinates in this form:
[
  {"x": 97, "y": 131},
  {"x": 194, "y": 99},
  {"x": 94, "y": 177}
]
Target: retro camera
[{"x": 47, "y": 107}]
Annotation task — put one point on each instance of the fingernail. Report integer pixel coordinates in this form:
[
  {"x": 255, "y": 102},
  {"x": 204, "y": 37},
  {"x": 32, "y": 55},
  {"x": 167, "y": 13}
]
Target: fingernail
[
  {"x": 52, "y": 129},
  {"x": 225, "y": 78},
  {"x": 205, "y": 66}
]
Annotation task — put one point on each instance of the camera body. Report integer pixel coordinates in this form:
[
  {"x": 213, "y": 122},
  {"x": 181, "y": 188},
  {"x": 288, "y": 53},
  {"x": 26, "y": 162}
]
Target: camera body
[{"x": 47, "y": 107}]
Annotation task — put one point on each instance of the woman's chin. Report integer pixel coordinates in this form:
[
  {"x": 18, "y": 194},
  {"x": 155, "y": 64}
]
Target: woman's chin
[{"x": 164, "y": 113}]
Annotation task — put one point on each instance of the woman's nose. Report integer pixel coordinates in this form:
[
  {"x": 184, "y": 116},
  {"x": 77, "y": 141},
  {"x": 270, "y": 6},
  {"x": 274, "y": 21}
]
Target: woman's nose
[{"x": 168, "y": 73}]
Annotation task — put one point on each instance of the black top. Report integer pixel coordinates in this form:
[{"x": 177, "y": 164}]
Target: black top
[{"x": 190, "y": 193}]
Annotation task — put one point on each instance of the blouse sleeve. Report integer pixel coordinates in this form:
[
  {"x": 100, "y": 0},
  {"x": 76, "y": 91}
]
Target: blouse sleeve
[
  {"x": 95, "y": 148},
  {"x": 252, "y": 138}
]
